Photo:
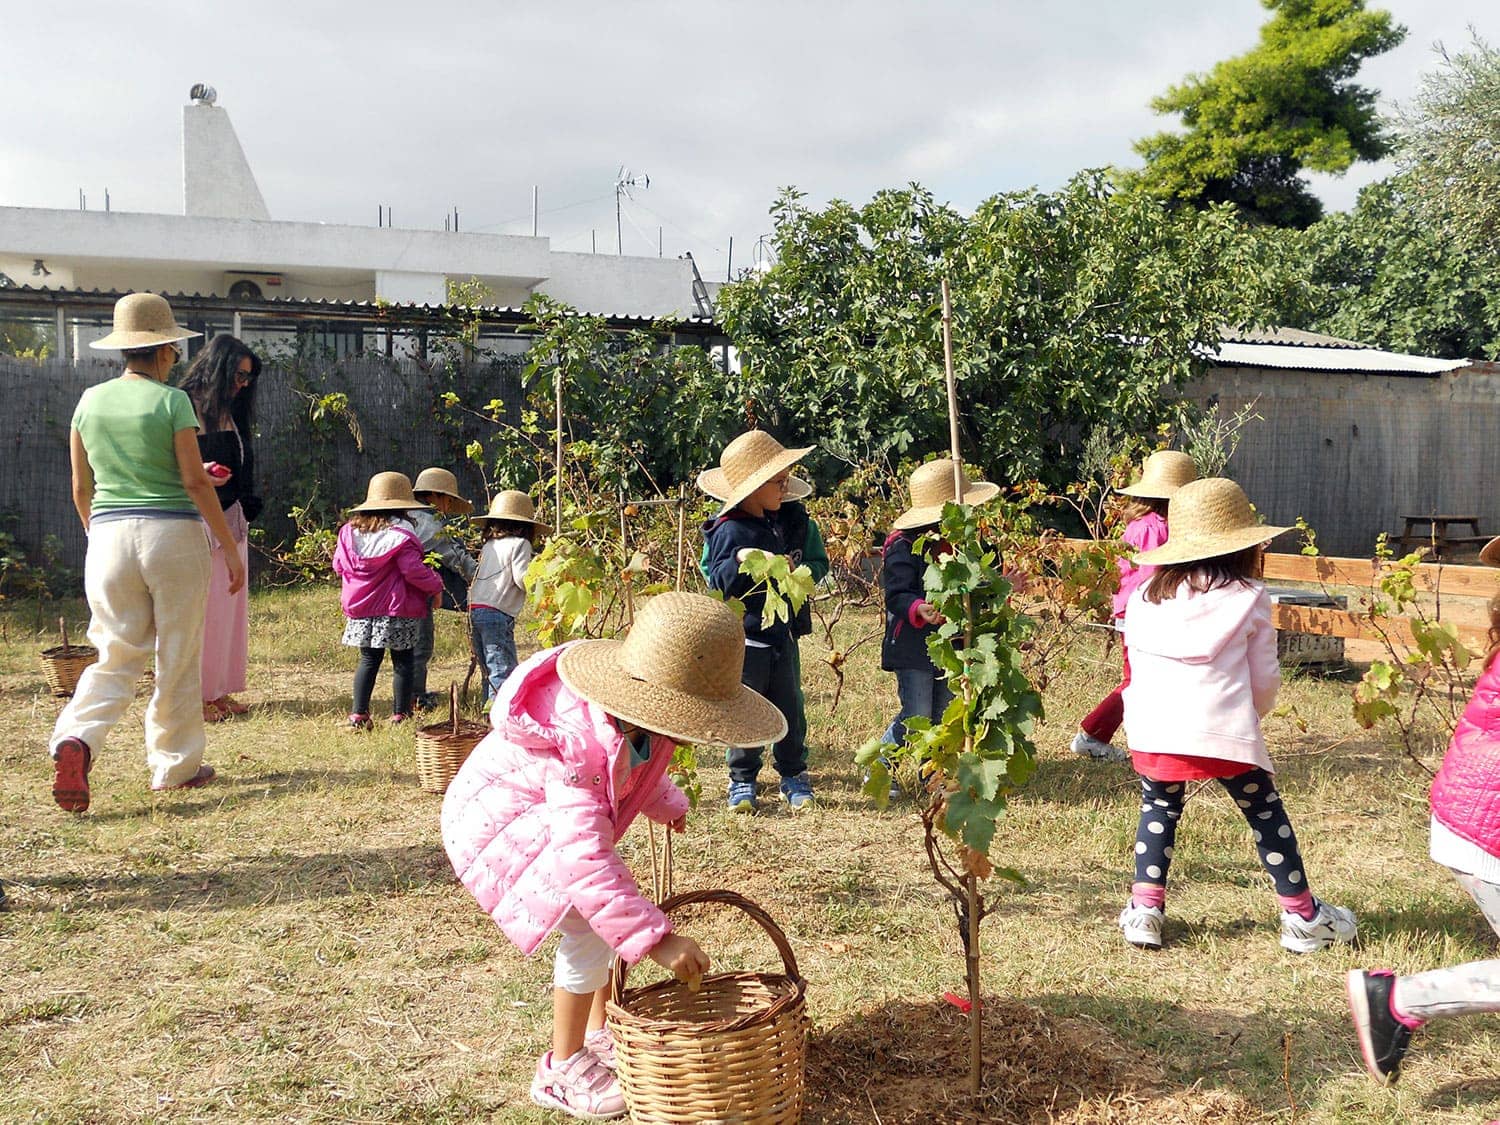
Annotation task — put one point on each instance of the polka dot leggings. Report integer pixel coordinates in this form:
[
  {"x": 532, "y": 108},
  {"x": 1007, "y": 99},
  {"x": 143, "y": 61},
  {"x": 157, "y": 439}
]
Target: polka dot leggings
[{"x": 1255, "y": 794}]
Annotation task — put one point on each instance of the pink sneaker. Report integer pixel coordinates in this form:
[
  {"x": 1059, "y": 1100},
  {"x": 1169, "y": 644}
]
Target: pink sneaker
[
  {"x": 577, "y": 1086},
  {"x": 601, "y": 1044}
]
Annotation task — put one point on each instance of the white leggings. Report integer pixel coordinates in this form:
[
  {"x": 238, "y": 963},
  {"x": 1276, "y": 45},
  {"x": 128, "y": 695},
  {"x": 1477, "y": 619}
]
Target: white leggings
[
  {"x": 583, "y": 957},
  {"x": 1460, "y": 990}
]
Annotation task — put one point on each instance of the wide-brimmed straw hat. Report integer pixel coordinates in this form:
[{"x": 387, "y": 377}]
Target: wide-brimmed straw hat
[
  {"x": 510, "y": 505},
  {"x": 712, "y": 482},
  {"x": 1164, "y": 473},
  {"x": 389, "y": 492},
  {"x": 441, "y": 480},
  {"x": 677, "y": 672},
  {"x": 931, "y": 487},
  {"x": 747, "y": 463},
  {"x": 1489, "y": 554},
  {"x": 1208, "y": 518},
  {"x": 143, "y": 320}
]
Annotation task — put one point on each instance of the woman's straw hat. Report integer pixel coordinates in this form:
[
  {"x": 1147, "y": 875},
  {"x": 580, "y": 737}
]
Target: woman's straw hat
[
  {"x": 143, "y": 320},
  {"x": 1489, "y": 554},
  {"x": 1164, "y": 473},
  {"x": 441, "y": 480},
  {"x": 747, "y": 463},
  {"x": 1208, "y": 518},
  {"x": 932, "y": 487},
  {"x": 511, "y": 505},
  {"x": 389, "y": 492},
  {"x": 677, "y": 672}
]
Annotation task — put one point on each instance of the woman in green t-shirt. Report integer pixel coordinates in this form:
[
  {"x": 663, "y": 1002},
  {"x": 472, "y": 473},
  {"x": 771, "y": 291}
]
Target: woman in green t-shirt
[{"x": 140, "y": 488}]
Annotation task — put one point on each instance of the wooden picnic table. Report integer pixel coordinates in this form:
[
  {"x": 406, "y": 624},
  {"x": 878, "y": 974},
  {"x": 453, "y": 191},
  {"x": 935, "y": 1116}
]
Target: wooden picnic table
[{"x": 1436, "y": 533}]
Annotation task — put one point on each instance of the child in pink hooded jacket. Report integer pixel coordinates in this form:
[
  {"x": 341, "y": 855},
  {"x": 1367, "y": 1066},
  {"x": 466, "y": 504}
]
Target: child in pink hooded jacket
[
  {"x": 583, "y": 737},
  {"x": 1203, "y": 674},
  {"x": 387, "y": 591},
  {"x": 1466, "y": 840}
]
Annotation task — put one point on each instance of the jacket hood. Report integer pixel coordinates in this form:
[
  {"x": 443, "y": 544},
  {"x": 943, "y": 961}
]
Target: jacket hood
[{"x": 1192, "y": 627}]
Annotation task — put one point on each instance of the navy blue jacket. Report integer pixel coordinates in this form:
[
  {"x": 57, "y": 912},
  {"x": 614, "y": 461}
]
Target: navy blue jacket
[
  {"x": 904, "y": 644},
  {"x": 726, "y": 536}
]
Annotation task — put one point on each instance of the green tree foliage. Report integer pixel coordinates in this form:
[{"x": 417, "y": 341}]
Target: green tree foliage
[
  {"x": 1070, "y": 308},
  {"x": 1254, "y": 122}
]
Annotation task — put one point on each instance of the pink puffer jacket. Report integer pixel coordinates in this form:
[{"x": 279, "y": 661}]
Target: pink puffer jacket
[
  {"x": 383, "y": 572},
  {"x": 531, "y": 820},
  {"x": 1466, "y": 790}
]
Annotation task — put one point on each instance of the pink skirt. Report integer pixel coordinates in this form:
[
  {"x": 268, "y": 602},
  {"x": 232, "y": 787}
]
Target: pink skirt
[{"x": 226, "y": 621}]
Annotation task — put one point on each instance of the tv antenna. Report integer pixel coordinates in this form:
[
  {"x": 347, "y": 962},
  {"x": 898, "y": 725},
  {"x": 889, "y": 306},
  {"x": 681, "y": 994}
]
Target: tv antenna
[{"x": 625, "y": 180}]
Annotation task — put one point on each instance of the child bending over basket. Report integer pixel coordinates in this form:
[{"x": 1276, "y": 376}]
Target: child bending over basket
[{"x": 583, "y": 737}]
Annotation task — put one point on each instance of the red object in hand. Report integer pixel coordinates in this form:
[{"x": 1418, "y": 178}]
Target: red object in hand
[
  {"x": 216, "y": 470},
  {"x": 962, "y": 1003}
]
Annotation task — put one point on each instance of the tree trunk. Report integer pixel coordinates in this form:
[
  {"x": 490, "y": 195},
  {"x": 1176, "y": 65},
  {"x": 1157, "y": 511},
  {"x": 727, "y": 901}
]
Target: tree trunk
[{"x": 971, "y": 971}]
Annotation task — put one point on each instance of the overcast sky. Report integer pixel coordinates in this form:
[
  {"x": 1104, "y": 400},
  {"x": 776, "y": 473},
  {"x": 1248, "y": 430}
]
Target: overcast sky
[{"x": 343, "y": 106}]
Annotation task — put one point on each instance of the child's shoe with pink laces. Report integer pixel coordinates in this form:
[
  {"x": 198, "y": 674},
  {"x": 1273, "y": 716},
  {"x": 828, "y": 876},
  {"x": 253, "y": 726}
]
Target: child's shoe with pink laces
[
  {"x": 578, "y": 1086},
  {"x": 601, "y": 1044}
]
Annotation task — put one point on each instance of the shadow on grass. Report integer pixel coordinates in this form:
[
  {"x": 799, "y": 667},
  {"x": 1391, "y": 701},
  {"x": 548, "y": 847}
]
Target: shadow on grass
[
  {"x": 229, "y": 788},
  {"x": 247, "y": 881},
  {"x": 1466, "y": 1093}
]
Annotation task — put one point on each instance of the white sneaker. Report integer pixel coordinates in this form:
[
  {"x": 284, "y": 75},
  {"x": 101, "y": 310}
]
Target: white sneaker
[
  {"x": 578, "y": 1086},
  {"x": 1141, "y": 925},
  {"x": 1330, "y": 924},
  {"x": 1086, "y": 745}
]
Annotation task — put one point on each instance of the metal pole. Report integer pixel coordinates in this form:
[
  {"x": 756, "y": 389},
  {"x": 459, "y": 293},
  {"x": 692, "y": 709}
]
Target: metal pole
[
  {"x": 593, "y": 242},
  {"x": 619, "y": 237},
  {"x": 557, "y": 384},
  {"x": 62, "y": 333},
  {"x": 729, "y": 267},
  {"x": 239, "y": 325},
  {"x": 952, "y": 394},
  {"x": 658, "y": 242},
  {"x": 533, "y": 210}
]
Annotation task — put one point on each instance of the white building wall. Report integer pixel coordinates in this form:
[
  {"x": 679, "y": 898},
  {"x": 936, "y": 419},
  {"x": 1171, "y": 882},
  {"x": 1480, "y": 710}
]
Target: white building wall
[{"x": 608, "y": 283}]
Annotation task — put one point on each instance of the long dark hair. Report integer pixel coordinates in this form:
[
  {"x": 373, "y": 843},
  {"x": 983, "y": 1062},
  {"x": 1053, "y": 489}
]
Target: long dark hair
[
  {"x": 210, "y": 380},
  {"x": 1133, "y": 508},
  {"x": 1203, "y": 575}
]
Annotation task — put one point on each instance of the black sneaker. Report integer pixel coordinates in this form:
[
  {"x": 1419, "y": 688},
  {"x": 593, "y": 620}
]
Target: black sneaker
[{"x": 1383, "y": 1039}]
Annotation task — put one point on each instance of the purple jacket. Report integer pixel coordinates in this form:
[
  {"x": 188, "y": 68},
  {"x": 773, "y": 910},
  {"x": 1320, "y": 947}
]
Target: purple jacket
[
  {"x": 531, "y": 821},
  {"x": 1466, "y": 790},
  {"x": 383, "y": 572},
  {"x": 1144, "y": 534}
]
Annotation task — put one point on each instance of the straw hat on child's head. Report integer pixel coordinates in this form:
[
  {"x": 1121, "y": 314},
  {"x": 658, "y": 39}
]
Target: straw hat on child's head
[
  {"x": 1208, "y": 518},
  {"x": 1164, "y": 473},
  {"x": 931, "y": 487},
  {"x": 510, "y": 505},
  {"x": 143, "y": 320},
  {"x": 748, "y": 462},
  {"x": 677, "y": 673},
  {"x": 389, "y": 492},
  {"x": 444, "y": 482},
  {"x": 1489, "y": 554}
]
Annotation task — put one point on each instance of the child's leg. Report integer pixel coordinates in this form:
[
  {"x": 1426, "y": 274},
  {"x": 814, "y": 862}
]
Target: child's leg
[
  {"x": 915, "y": 688},
  {"x": 790, "y": 752},
  {"x": 1155, "y": 839},
  {"x": 1255, "y": 793},
  {"x": 402, "y": 661},
  {"x": 421, "y": 656},
  {"x": 1460, "y": 990},
  {"x": 1104, "y": 720},
  {"x": 744, "y": 761},
  {"x": 364, "y": 678},
  {"x": 505, "y": 646},
  {"x": 580, "y": 983}
]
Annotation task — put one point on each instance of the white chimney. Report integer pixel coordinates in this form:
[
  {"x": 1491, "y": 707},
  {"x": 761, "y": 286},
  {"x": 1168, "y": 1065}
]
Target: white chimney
[{"x": 216, "y": 177}]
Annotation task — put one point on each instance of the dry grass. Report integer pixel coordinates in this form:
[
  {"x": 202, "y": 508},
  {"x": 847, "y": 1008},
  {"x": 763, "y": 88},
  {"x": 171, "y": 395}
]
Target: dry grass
[{"x": 290, "y": 944}]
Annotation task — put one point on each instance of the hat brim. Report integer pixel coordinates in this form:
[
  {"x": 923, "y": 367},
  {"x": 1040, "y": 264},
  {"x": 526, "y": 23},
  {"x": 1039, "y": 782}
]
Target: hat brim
[
  {"x": 712, "y": 482},
  {"x": 980, "y": 492},
  {"x": 389, "y": 506},
  {"x": 784, "y": 460},
  {"x": 1489, "y": 554},
  {"x": 487, "y": 517},
  {"x": 1148, "y": 490},
  {"x": 465, "y": 506},
  {"x": 125, "y": 341},
  {"x": 592, "y": 669},
  {"x": 1197, "y": 548}
]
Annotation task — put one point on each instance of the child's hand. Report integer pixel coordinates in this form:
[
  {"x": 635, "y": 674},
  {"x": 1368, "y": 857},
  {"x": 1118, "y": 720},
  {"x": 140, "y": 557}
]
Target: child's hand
[
  {"x": 683, "y": 957},
  {"x": 746, "y": 552},
  {"x": 930, "y": 615},
  {"x": 1019, "y": 583}
]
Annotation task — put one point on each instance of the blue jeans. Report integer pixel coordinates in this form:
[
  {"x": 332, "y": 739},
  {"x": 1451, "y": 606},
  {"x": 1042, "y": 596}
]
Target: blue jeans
[
  {"x": 922, "y": 692},
  {"x": 494, "y": 635}
]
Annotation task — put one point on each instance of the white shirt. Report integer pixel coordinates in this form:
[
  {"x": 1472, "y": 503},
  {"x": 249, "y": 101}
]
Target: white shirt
[{"x": 500, "y": 580}]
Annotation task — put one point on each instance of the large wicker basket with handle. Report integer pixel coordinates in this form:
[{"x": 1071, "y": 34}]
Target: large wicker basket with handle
[
  {"x": 734, "y": 1050},
  {"x": 443, "y": 747},
  {"x": 63, "y": 664}
]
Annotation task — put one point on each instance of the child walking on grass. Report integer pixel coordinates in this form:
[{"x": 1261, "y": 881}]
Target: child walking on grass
[
  {"x": 499, "y": 589},
  {"x": 438, "y": 489},
  {"x": 583, "y": 735},
  {"x": 1203, "y": 674},
  {"x": 1465, "y": 839},
  {"x": 387, "y": 591},
  {"x": 1145, "y": 512}
]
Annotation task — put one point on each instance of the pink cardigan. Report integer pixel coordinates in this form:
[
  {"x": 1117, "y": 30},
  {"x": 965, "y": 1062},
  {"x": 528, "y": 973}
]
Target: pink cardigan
[
  {"x": 531, "y": 820},
  {"x": 383, "y": 572},
  {"x": 1143, "y": 534},
  {"x": 1466, "y": 790},
  {"x": 1203, "y": 671}
]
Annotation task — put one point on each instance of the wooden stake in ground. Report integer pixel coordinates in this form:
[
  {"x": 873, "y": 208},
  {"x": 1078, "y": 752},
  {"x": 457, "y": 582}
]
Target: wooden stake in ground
[
  {"x": 625, "y": 563},
  {"x": 681, "y": 531},
  {"x": 557, "y": 457}
]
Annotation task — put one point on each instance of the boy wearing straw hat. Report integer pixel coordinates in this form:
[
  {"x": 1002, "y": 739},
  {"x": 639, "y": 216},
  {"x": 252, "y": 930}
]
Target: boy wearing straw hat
[
  {"x": 438, "y": 488},
  {"x": 583, "y": 737},
  {"x": 753, "y": 477}
]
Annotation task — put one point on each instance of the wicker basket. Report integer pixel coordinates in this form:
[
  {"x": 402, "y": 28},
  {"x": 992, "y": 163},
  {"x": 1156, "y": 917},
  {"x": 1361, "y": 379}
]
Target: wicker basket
[
  {"x": 443, "y": 747},
  {"x": 63, "y": 664},
  {"x": 735, "y": 1050}
]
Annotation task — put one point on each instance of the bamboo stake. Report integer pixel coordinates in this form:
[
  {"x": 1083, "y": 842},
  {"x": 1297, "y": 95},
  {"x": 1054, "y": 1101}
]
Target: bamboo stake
[
  {"x": 557, "y": 460},
  {"x": 625, "y": 563},
  {"x": 681, "y": 530}
]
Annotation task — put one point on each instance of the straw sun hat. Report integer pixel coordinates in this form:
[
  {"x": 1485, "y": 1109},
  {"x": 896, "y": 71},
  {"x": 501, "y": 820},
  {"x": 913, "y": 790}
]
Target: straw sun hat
[
  {"x": 748, "y": 462},
  {"x": 389, "y": 492},
  {"x": 510, "y": 505},
  {"x": 441, "y": 480},
  {"x": 1209, "y": 518},
  {"x": 1489, "y": 554},
  {"x": 931, "y": 487},
  {"x": 1164, "y": 473},
  {"x": 143, "y": 320},
  {"x": 677, "y": 672}
]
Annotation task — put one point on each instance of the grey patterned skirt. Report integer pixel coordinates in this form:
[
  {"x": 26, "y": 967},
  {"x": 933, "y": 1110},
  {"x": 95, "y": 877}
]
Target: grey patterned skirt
[{"x": 382, "y": 632}]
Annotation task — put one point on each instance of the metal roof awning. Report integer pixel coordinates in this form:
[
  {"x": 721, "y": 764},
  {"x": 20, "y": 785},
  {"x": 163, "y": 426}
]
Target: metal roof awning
[{"x": 1340, "y": 357}]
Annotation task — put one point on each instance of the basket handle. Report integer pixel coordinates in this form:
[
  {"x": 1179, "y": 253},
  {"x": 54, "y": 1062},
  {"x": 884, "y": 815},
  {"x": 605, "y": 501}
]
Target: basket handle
[
  {"x": 727, "y": 898},
  {"x": 62, "y": 627}
]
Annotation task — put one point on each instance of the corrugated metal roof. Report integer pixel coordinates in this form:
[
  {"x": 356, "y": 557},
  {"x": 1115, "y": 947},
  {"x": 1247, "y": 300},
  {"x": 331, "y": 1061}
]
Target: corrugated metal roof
[
  {"x": 1293, "y": 336},
  {"x": 1305, "y": 357}
]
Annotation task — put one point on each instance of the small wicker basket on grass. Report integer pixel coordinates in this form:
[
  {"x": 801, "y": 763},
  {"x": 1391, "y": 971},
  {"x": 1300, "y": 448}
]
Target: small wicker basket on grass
[
  {"x": 63, "y": 664},
  {"x": 734, "y": 1050},
  {"x": 443, "y": 747}
]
